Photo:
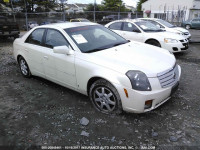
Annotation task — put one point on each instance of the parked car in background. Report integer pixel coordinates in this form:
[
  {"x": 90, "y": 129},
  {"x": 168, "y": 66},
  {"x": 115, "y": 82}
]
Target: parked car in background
[
  {"x": 168, "y": 27},
  {"x": 31, "y": 25},
  {"x": 79, "y": 20},
  {"x": 8, "y": 29},
  {"x": 110, "y": 18},
  {"x": 194, "y": 23},
  {"x": 115, "y": 73},
  {"x": 45, "y": 22},
  {"x": 146, "y": 32}
]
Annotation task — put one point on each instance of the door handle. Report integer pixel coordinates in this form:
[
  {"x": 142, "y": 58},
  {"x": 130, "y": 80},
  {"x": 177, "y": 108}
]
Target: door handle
[{"x": 45, "y": 57}]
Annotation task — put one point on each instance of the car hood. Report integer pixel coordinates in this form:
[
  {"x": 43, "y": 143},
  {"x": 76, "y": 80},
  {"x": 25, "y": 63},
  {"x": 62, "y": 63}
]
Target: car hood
[
  {"x": 165, "y": 34},
  {"x": 134, "y": 56},
  {"x": 180, "y": 29},
  {"x": 177, "y": 29}
]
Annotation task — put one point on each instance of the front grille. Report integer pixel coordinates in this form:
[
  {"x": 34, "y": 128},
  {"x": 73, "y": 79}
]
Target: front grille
[
  {"x": 169, "y": 77},
  {"x": 184, "y": 40}
]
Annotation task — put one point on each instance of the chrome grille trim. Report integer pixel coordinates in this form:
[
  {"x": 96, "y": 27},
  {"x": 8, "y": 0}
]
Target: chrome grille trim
[{"x": 169, "y": 77}]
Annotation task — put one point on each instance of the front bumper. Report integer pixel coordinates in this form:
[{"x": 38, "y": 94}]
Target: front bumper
[
  {"x": 180, "y": 46},
  {"x": 135, "y": 102}
]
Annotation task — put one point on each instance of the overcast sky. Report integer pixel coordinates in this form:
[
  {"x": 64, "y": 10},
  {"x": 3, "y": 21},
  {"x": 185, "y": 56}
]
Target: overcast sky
[{"x": 127, "y": 2}]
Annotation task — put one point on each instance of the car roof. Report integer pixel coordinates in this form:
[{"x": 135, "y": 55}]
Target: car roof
[
  {"x": 129, "y": 20},
  {"x": 149, "y": 18},
  {"x": 69, "y": 24}
]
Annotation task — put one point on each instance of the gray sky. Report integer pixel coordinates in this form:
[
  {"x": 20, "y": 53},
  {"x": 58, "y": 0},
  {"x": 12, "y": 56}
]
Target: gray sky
[{"x": 127, "y": 2}]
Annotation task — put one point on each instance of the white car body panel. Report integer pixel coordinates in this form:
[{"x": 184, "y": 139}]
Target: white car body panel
[
  {"x": 176, "y": 30},
  {"x": 74, "y": 71},
  {"x": 158, "y": 36}
]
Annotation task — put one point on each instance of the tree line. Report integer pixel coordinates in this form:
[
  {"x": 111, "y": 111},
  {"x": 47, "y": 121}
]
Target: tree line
[{"x": 47, "y": 5}]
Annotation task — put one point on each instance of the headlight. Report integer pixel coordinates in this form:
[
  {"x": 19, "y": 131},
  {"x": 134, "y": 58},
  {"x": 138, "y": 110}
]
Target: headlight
[
  {"x": 179, "y": 33},
  {"x": 139, "y": 80},
  {"x": 168, "y": 40}
]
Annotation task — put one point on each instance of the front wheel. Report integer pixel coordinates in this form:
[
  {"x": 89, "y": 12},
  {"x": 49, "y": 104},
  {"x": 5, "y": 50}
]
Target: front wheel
[
  {"x": 105, "y": 97},
  {"x": 154, "y": 43},
  {"x": 24, "y": 67}
]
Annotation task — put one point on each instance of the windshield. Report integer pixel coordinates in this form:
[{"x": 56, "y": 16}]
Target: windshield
[
  {"x": 148, "y": 27},
  {"x": 94, "y": 38},
  {"x": 165, "y": 23}
]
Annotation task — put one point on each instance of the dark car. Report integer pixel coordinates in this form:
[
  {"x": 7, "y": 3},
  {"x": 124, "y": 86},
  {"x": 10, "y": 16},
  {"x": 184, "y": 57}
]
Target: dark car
[
  {"x": 194, "y": 23},
  {"x": 8, "y": 29},
  {"x": 45, "y": 22}
]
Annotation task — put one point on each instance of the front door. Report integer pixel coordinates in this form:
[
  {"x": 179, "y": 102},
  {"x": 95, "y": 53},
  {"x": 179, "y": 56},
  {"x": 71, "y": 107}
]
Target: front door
[
  {"x": 58, "y": 67},
  {"x": 131, "y": 32}
]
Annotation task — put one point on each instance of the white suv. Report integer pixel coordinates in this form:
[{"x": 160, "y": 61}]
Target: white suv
[{"x": 146, "y": 32}]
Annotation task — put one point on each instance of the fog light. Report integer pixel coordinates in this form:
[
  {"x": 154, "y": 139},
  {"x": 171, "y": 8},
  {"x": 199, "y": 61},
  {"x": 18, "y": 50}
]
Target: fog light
[{"x": 148, "y": 104}]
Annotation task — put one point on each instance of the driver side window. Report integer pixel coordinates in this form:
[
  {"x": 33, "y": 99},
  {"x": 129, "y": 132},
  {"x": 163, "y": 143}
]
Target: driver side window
[{"x": 55, "y": 38}]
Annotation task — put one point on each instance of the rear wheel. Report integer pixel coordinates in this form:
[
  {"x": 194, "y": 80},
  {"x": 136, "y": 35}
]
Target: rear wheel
[
  {"x": 24, "y": 67},
  {"x": 105, "y": 97},
  {"x": 154, "y": 42},
  {"x": 187, "y": 26}
]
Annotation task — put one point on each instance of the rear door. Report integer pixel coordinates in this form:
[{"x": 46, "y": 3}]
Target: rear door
[
  {"x": 34, "y": 50},
  {"x": 195, "y": 23},
  {"x": 116, "y": 27}
]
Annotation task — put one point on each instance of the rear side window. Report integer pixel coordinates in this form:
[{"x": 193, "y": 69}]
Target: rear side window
[
  {"x": 116, "y": 26},
  {"x": 129, "y": 27},
  {"x": 36, "y": 37},
  {"x": 55, "y": 38}
]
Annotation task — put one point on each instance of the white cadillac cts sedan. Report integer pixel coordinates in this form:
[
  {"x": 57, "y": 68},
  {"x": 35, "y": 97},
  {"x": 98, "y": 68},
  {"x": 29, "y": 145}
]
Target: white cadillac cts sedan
[
  {"x": 146, "y": 32},
  {"x": 115, "y": 73}
]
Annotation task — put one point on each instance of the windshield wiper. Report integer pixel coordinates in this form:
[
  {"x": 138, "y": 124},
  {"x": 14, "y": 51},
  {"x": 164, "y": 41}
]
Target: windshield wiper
[
  {"x": 153, "y": 30},
  {"x": 121, "y": 43},
  {"x": 95, "y": 50}
]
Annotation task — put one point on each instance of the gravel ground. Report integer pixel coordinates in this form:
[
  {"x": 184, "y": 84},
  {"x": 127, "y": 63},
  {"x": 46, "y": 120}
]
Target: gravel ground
[{"x": 37, "y": 112}]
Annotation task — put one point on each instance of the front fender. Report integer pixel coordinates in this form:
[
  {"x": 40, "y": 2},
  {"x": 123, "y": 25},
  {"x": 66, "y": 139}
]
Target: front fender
[{"x": 87, "y": 70}]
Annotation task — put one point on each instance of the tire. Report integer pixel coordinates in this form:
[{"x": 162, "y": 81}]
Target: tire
[
  {"x": 25, "y": 71},
  {"x": 105, "y": 97},
  {"x": 154, "y": 43},
  {"x": 187, "y": 26}
]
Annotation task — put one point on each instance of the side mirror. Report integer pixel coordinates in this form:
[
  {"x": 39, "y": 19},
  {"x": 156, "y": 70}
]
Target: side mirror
[{"x": 63, "y": 50}]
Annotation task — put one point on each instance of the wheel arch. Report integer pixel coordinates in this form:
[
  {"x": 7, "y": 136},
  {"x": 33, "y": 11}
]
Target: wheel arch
[
  {"x": 93, "y": 79},
  {"x": 151, "y": 39}
]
